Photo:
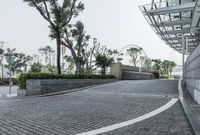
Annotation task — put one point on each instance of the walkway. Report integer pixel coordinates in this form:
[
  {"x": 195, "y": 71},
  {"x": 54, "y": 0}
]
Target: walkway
[
  {"x": 4, "y": 90},
  {"x": 96, "y": 108}
]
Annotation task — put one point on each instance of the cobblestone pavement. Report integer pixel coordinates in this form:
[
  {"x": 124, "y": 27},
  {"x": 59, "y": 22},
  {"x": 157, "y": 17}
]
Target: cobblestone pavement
[
  {"x": 170, "y": 122},
  {"x": 94, "y": 108}
]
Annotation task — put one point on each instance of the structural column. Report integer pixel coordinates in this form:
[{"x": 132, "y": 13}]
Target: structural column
[{"x": 183, "y": 53}]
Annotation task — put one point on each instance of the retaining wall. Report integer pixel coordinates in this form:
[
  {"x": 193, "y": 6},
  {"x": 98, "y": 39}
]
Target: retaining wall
[
  {"x": 44, "y": 86},
  {"x": 126, "y": 72},
  {"x": 192, "y": 74},
  {"x": 131, "y": 75}
]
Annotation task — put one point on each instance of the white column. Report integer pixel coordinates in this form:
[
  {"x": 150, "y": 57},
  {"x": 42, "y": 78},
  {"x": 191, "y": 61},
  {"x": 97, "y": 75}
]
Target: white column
[
  {"x": 186, "y": 44},
  {"x": 183, "y": 54}
]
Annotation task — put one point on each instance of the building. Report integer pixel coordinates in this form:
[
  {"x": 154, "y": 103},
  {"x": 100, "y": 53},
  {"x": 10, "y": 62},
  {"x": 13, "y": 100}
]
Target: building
[{"x": 177, "y": 22}]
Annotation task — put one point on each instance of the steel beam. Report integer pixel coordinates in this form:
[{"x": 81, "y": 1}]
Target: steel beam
[
  {"x": 177, "y": 31},
  {"x": 171, "y": 23},
  {"x": 196, "y": 18},
  {"x": 189, "y": 42},
  {"x": 179, "y": 38},
  {"x": 172, "y": 9}
]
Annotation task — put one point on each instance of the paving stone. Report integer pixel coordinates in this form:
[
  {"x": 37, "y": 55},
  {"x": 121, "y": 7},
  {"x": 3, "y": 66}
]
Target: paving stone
[
  {"x": 169, "y": 122},
  {"x": 93, "y": 108}
]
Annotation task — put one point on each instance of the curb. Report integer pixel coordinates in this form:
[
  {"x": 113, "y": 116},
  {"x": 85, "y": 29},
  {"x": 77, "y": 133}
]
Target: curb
[{"x": 191, "y": 115}]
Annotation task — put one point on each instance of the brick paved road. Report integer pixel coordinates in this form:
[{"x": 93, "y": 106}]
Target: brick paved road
[
  {"x": 170, "y": 122},
  {"x": 94, "y": 108}
]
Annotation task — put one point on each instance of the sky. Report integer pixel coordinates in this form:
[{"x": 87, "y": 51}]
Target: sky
[{"x": 115, "y": 23}]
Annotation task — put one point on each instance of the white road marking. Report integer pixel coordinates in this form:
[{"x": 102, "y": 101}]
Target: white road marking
[{"x": 133, "y": 121}]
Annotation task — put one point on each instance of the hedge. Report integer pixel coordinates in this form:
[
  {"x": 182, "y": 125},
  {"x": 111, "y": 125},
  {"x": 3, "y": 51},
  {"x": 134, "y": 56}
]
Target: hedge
[
  {"x": 5, "y": 81},
  {"x": 23, "y": 77}
]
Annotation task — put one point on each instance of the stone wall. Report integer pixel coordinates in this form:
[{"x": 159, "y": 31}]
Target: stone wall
[
  {"x": 116, "y": 70},
  {"x": 44, "y": 86},
  {"x": 192, "y": 74},
  {"x": 131, "y": 75},
  {"x": 127, "y": 72}
]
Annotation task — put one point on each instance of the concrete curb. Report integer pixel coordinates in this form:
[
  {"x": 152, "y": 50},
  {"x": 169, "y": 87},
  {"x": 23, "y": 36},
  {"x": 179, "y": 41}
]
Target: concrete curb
[
  {"x": 56, "y": 93},
  {"x": 191, "y": 115}
]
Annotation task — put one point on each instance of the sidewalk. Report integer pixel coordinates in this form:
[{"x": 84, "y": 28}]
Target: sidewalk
[
  {"x": 191, "y": 108},
  {"x": 4, "y": 91}
]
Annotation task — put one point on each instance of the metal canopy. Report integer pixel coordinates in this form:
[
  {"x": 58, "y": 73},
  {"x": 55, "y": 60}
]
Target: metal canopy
[{"x": 171, "y": 19}]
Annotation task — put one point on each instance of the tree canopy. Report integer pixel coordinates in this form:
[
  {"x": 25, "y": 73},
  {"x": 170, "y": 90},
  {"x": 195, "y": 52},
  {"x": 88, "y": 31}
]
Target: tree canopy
[
  {"x": 58, "y": 13},
  {"x": 103, "y": 62}
]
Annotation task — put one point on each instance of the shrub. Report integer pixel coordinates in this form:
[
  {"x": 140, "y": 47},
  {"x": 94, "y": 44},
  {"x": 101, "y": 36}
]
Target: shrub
[
  {"x": 5, "y": 81},
  {"x": 23, "y": 77},
  {"x": 167, "y": 77},
  {"x": 157, "y": 75}
]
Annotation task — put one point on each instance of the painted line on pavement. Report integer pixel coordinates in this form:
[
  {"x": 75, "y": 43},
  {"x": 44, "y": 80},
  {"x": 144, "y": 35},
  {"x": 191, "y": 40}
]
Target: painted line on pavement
[{"x": 133, "y": 121}]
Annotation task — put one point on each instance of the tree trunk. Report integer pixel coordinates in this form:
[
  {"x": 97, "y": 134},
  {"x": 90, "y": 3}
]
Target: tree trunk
[
  {"x": 134, "y": 63},
  {"x": 58, "y": 52},
  {"x": 87, "y": 65},
  {"x": 78, "y": 67},
  {"x": 103, "y": 71},
  {"x": 2, "y": 71},
  {"x": 76, "y": 60}
]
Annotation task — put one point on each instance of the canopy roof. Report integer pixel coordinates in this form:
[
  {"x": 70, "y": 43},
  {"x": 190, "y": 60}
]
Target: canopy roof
[{"x": 170, "y": 19}]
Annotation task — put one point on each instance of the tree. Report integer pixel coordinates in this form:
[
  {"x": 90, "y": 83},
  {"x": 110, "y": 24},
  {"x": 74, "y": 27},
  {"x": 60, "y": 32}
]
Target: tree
[
  {"x": 36, "y": 59},
  {"x": 90, "y": 53},
  {"x": 19, "y": 60},
  {"x": 145, "y": 62},
  {"x": 156, "y": 64},
  {"x": 70, "y": 63},
  {"x": 103, "y": 62},
  {"x": 148, "y": 63},
  {"x": 36, "y": 68},
  {"x": 135, "y": 54},
  {"x": 165, "y": 66},
  {"x": 58, "y": 16},
  {"x": 171, "y": 66},
  {"x": 47, "y": 51},
  {"x": 76, "y": 40},
  {"x": 2, "y": 51}
]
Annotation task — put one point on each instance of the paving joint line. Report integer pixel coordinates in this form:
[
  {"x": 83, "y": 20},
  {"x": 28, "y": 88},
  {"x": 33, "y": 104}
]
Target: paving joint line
[{"x": 133, "y": 121}]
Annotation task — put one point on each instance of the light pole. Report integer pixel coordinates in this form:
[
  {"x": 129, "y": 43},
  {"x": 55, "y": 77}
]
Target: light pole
[
  {"x": 2, "y": 58},
  {"x": 10, "y": 60}
]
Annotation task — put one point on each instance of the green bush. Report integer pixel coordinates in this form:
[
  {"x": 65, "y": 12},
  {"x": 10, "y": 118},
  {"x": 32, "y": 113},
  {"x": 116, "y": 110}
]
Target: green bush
[
  {"x": 157, "y": 75},
  {"x": 23, "y": 77},
  {"x": 5, "y": 81}
]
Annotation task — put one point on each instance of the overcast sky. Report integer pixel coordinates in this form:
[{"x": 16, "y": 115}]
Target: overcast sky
[{"x": 115, "y": 23}]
